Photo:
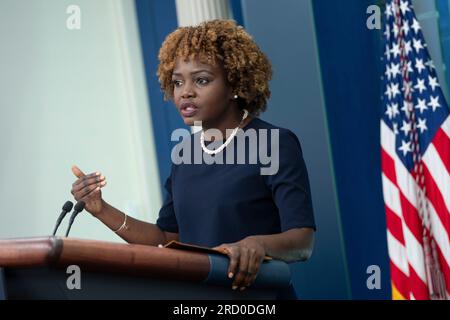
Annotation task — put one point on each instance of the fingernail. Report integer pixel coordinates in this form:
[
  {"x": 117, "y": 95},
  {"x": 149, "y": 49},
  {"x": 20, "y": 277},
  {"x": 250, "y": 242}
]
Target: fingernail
[
  {"x": 97, "y": 173},
  {"x": 234, "y": 287},
  {"x": 103, "y": 183},
  {"x": 230, "y": 275},
  {"x": 102, "y": 177}
]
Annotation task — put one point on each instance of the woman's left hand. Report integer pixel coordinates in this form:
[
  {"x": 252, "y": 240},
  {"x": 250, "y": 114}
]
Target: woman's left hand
[{"x": 246, "y": 257}]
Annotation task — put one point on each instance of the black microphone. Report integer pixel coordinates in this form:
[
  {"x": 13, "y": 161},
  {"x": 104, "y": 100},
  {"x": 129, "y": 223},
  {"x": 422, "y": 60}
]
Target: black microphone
[
  {"x": 66, "y": 208},
  {"x": 78, "y": 208}
]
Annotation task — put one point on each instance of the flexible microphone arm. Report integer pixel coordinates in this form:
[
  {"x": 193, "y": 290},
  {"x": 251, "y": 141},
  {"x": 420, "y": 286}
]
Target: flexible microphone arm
[
  {"x": 78, "y": 208},
  {"x": 66, "y": 208}
]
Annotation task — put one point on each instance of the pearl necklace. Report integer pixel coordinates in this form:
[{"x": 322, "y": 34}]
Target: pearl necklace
[{"x": 227, "y": 142}]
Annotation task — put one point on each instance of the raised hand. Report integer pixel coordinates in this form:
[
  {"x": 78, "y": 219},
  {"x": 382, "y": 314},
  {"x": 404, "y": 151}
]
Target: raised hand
[{"x": 88, "y": 188}]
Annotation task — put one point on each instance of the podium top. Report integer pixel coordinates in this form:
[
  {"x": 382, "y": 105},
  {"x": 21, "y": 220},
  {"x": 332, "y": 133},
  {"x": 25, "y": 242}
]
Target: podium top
[
  {"x": 132, "y": 259},
  {"x": 104, "y": 256}
]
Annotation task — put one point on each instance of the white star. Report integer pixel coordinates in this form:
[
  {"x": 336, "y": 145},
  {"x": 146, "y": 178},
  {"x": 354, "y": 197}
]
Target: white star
[
  {"x": 405, "y": 148},
  {"x": 395, "y": 111},
  {"x": 430, "y": 64},
  {"x": 395, "y": 69},
  {"x": 433, "y": 83},
  {"x": 388, "y": 11},
  {"x": 387, "y": 31},
  {"x": 388, "y": 72},
  {"x": 388, "y": 92},
  {"x": 395, "y": 90},
  {"x": 419, "y": 65},
  {"x": 420, "y": 85},
  {"x": 395, "y": 125},
  {"x": 406, "y": 128},
  {"x": 395, "y": 30},
  {"x": 434, "y": 103},
  {"x": 405, "y": 28},
  {"x": 389, "y": 111},
  {"x": 395, "y": 50},
  {"x": 387, "y": 53},
  {"x": 408, "y": 47},
  {"x": 417, "y": 44},
  {"x": 404, "y": 7},
  {"x": 422, "y": 105},
  {"x": 416, "y": 26},
  {"x": 409, "y": 67},
  {"x": 422, "y": 125},
  {"x": 407, "y": 106}
]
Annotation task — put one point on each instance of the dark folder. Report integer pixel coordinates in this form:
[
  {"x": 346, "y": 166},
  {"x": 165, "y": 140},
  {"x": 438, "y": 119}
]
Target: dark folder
[{"x": 190, "y": 247}]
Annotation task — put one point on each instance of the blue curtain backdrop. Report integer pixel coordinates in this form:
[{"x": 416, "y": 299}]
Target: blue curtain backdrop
[
  {"x": 350, "y": 64},
  {"x": 285, "y": 32},
  {"x": 156, "y": 20}
]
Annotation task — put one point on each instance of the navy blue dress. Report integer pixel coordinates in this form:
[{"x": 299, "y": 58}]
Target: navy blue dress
[{"x": 212, "y": 204}]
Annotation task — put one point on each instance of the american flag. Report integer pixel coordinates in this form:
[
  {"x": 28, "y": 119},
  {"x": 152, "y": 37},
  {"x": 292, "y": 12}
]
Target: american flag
[{"x": 415, "y": 153}]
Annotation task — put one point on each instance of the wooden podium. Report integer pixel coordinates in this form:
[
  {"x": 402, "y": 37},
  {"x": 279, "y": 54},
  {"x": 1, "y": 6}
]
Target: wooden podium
[{"x": 36, "y": 268}]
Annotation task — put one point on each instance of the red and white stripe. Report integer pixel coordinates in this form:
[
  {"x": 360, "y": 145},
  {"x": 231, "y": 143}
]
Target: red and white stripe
[{"x": 404, "y": 223}]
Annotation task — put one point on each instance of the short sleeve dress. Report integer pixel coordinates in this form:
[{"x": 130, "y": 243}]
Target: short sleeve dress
[{"x": 209, "y": 204}]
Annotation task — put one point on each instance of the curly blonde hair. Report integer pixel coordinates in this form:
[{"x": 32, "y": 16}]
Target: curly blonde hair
[{"x": 247, "y": 68}]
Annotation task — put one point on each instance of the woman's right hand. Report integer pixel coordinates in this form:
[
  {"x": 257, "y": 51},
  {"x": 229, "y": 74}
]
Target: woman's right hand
[{"x": 87, "y": 188}]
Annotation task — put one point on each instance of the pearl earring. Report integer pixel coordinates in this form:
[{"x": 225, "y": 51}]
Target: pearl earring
[{"x": 235, "y": 96}]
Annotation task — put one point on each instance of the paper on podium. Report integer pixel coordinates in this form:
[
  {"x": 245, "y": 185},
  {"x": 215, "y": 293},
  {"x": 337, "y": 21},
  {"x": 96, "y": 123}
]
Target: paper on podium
[{"x": 190, "y": 247}]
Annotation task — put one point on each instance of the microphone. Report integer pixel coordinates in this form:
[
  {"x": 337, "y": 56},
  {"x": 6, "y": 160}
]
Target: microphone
[
  {"x": 78, "y": 208},
  {"x": 66, "y": 208}
]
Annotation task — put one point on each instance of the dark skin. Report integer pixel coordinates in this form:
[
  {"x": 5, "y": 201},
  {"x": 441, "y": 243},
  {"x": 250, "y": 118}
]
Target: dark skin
[{"x": 205, "y": 86}]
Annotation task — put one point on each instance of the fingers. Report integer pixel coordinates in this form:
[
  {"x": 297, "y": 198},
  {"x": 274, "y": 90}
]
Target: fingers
[
  {"x": 88, "y": 180},
  {"x": 77, "y": 172},
  {"x": 85, "y": 192},
  {"x": 91, "y": 194},
  {"x": 84, "y": 177},
  {"x": 248, "y": 266},
  {"x": 232, "y": 266},
  {"x": 85, "y": 185},
  {"x": 244, "y": 265},
  {"x": 253, "y": 268},
  {"x": 242, "y": 269}
]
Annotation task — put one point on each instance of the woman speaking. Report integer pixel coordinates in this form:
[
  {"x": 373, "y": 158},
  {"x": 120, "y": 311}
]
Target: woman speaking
[{"x": 217, "y": 77}]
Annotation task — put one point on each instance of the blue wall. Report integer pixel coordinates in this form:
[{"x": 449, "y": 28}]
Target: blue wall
[
  {"x": 156, "y": 20},
  {"x": 285, "y": 32},
  {"x": 350, "y": 63},
  {"x": 236, "y": 11}
]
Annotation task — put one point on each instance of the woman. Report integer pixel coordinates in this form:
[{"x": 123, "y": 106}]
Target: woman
[{"x": 217, "y": 76}]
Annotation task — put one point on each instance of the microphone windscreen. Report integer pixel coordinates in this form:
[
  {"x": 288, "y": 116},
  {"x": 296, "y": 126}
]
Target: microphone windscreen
[
  {"x": 79, "y": 206},
  {"x": 67, "y": 207}
]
